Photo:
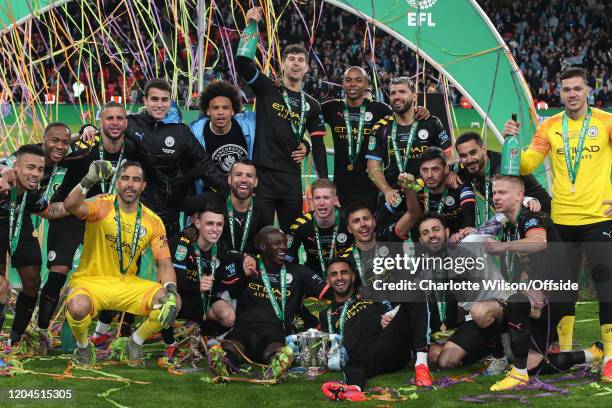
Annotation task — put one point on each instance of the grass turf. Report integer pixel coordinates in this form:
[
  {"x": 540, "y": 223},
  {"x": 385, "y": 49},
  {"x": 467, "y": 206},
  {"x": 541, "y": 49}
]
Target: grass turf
[{"x": 189, "y": 390}]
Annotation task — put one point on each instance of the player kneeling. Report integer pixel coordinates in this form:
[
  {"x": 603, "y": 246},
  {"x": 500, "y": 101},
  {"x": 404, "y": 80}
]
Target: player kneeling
[
  {"x": 269, "y": 295},
  {"x": 118, "y": 229},
  {"x": 375, "y": 342},
  {"x": 205, "y": 269}
]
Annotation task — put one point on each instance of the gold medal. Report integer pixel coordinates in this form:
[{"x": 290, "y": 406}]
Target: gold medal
[
  {"x": 35, "y": 233},
  {"x": 350, "y": 167},
  {"x": 573, "y": 188},
  {"x": 443, "y": 328}
]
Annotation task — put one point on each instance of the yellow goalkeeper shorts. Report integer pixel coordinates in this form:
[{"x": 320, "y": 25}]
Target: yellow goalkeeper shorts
[{"x": 125, "y": 294}]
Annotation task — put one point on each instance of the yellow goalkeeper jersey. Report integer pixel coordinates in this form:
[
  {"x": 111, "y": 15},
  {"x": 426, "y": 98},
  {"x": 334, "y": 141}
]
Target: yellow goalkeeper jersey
[
  {"x": 100, "y": 256},
  {"x": 594, "y": 179}
]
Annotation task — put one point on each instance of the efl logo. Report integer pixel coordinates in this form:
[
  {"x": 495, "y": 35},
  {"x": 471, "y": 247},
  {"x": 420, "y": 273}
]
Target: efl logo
[
  {"x": 421, "y": 18},
  {"x": 422, "y": 4}
]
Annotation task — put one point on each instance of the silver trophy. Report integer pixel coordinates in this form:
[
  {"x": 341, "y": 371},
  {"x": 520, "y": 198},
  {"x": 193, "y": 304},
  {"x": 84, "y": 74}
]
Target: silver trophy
[
  {"x": 311, "y": 349},
  {"x": 489, "y": 229}
]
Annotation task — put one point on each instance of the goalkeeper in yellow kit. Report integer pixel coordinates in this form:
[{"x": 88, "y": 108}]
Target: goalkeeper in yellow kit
[
  {"x": 118, "y": 229},
  {"x": 579, "y": 144}
]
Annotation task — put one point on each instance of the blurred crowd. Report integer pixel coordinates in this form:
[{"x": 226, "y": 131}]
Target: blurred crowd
[{"x": 544, "y": 36}]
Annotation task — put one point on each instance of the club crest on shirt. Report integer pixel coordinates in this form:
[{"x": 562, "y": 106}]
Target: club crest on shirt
[
  {"x": 288, "y": 278},
  {"x": 383, "y": 250},
  {"x": 342, "y": 238},
  {"x": 142, "y": 232},
  {"x": 449, "y": 201},
  {"x": 169, "y": 141},
  {"x": 368, "y": 116},
  {"x": 181, "y": 253},
  {"x": 593, "y": 131},
  {"x": 423, "y": 134},
  {"x": 226, "y": 155}
]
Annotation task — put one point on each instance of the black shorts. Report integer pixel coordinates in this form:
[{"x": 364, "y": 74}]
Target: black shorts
[
  {"x": 192, "y": 306},
  {"x": 279, "y": 184},
  {"x": 255, "y": 340},
  {"x": 63, "y": 238},
  {"x": 28, "y": 247},
  {"x": 477, "y": 342},
  {"x": 279, "y": 192},
  {"x": 592, "y": 240}
]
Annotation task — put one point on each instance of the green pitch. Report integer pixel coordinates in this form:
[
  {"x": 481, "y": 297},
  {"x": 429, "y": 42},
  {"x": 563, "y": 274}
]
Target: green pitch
[{"x": 188, "y": 390}]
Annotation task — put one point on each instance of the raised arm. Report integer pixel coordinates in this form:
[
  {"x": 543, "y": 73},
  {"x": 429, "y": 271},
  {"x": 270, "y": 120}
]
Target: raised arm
[
  {"x": 248, "y": 47},
  {"x": 413, "y": 209},
  {"x": 376, "y": 174},
  {"x": 55, "y": 211},
  {"x": 75, "y": 202}
]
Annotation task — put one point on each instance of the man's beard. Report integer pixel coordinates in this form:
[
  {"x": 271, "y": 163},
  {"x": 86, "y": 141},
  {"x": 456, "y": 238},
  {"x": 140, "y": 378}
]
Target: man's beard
[
  {"x": 349, "y": 288},
  {"x": 241, "y": 195},
  {"x": 129, "y": 201},
  {"x": 403, "y": 110},
  {"x": 112, "y": 138}
]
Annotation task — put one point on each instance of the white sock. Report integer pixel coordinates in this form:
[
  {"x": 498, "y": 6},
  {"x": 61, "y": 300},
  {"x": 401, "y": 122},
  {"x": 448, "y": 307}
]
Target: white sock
[
  {"x": 101, "y": 329},
  {"x": 82, "y": 345},
  {"x": 137, "y": 339},
  {"x": 522, "y": 371},
  {"x": 421, "y": 358}
]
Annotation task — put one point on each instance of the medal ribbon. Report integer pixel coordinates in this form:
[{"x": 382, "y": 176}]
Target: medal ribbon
[
  {"x": 349, "y": 132},
  {"x": 487, "y": 196},
  {"x": 299, "y": 132},
  {"x": 135, "y": 237},
  {"x": 440, "y": 296},
  {"x": 359, "y": 265},
  {"x": 440, "y": 203},
  {"x": 507, "y": 236},
  {"x": 111, "y": 186},
  {"x": 279, "y": 311},
  {"x": 342, "y": 319},
  {"x": 441, "y": 300},
  {"x": 322, "y": 261},
  {"x": 213, "y": 268},
  {"x": 50, "y": 185},
  {"x": 401, "y": 164},
  {"x": 15, "y": 227},
  {"x": 572, "y": 171},
  {"x": 36, "y": 219},
  {"x": 232, "y": 219}
]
